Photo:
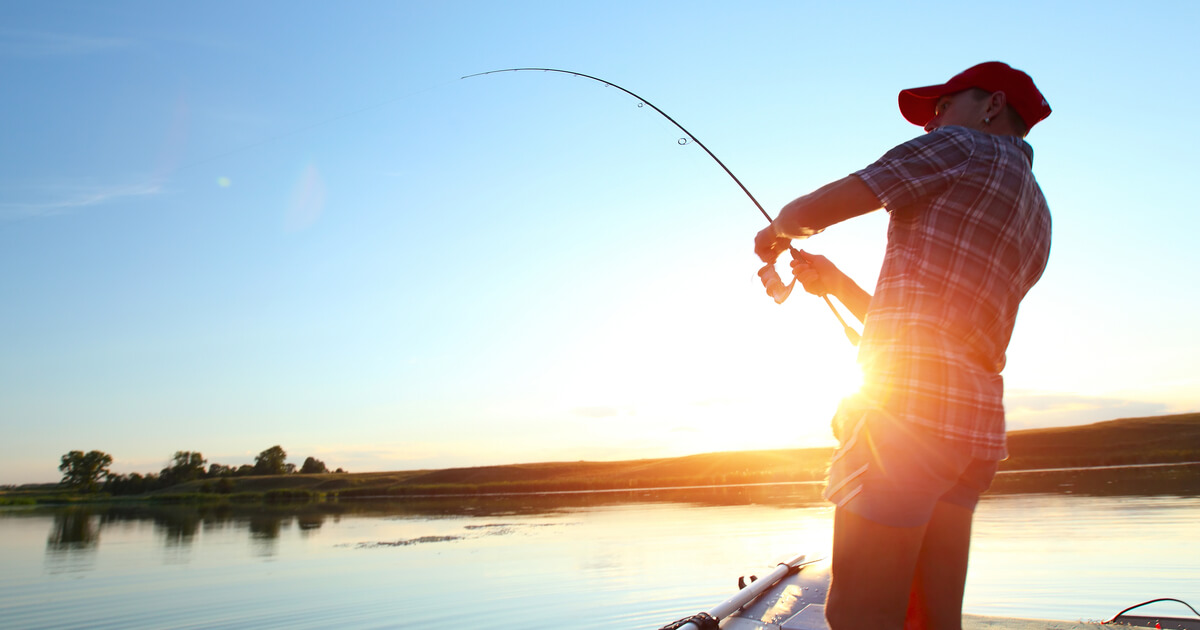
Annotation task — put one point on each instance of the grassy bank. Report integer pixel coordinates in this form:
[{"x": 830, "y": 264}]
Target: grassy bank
[
  {"x": 1127, "y": 441},
  {"x": 1157, "y": 439}
]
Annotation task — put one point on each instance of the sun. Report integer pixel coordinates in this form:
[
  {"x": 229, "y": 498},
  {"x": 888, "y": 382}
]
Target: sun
[{"x": 670, "y": 378}]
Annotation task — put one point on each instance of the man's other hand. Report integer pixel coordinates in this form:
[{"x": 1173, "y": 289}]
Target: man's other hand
[{"x": 816, "y": 273}]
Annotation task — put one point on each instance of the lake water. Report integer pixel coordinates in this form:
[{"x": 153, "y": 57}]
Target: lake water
[{"x": 610, "y": 560}]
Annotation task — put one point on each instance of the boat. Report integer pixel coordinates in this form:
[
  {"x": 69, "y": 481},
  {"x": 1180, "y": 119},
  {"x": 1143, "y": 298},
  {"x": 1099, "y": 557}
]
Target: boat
[{"x": 792, "y": 597}]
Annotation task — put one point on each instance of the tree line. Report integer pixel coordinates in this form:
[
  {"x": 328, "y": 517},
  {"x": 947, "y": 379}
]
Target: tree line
[{"x": 90, "y": 472}]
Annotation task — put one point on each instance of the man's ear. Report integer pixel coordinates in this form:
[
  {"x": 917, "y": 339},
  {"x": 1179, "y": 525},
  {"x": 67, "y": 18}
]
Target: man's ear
[{"x": 996, "y": 104}]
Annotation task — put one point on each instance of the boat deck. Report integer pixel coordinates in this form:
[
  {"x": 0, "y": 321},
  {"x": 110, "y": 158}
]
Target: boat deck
[{"x": 797, "y": 602}]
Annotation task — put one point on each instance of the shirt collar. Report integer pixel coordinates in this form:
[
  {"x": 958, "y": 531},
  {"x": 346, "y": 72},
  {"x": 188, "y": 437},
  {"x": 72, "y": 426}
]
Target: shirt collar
[{"x": 1022, "y": 145}]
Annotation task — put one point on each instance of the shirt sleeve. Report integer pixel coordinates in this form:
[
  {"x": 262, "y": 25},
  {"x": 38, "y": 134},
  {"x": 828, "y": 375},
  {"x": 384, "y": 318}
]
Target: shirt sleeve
[{"x": 922, "y": 167}]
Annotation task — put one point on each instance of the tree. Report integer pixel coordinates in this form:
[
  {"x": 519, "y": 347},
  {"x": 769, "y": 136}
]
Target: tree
[
  {"x": 185, "y": 466},
  {"x": 84, "y": 471},
  {"x": 220, "y": 470},
  {"x": 271, "y": 461},
  {"x": 133, "y": 483},
  {"x": 312, "y": 466}
]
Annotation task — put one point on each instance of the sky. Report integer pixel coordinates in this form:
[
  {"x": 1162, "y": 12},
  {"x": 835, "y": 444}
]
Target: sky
[{"x": 226, "y": 226}]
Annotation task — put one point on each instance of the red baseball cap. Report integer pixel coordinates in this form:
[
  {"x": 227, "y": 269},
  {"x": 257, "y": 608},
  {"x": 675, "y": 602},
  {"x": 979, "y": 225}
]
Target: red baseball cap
[{"x": 917, "y": 104}]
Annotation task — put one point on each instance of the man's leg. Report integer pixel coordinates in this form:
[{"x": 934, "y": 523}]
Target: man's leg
[
  {"x": 941, "y": 570},
  {"x": 871, "y": 574}
]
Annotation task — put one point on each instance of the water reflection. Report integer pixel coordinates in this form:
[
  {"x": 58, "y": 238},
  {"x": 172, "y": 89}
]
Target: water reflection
[
  {"x": 310, "y": 522},
  {"x": 661, "y": 553},
  {"x": 74, "y": 529},
  {"x": 265, "y": 526},
  {"x": 1112, "y": 481},
  {"x": 178, "y": 527},
  {"x": 79, "y": 528},
  {"x": 73, "y": 541}
]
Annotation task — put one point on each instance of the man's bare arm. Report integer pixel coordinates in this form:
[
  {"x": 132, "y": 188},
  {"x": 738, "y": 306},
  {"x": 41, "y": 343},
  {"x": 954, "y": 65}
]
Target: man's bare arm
[{"x": 833, "y": 203}]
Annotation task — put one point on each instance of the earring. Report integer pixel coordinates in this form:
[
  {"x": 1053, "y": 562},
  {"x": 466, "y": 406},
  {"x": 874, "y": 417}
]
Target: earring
[{"x": 987, "y": 121}]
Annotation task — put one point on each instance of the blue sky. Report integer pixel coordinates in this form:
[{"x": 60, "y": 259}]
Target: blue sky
[{"x": 225, "y": 226}]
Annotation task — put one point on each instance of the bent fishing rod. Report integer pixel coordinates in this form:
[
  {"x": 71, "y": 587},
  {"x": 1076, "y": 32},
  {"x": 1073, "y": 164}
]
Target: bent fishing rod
[{"x": 770, "y": 278}]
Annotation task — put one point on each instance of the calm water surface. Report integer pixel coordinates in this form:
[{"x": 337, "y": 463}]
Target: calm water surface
[{"x": 621, "y": 560}]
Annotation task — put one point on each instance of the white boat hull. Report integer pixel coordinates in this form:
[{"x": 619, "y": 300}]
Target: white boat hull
[{"x": 797, "y": 602}]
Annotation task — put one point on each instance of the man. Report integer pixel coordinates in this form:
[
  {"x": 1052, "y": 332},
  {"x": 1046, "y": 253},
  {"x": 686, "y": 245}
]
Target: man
[{"x": 968, "y": 235}]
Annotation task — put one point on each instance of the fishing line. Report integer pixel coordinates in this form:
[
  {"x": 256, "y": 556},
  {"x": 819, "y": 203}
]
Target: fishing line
[{"x": 689, "y": 138}]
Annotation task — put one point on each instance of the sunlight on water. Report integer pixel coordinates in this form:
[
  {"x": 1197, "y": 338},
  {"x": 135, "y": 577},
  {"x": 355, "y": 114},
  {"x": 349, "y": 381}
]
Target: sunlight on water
[
  {"x": 636, "y": 560},
  {"x": 1067, "y": 557}
]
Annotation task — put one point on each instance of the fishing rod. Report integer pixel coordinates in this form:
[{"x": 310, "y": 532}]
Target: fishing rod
[{"x": 769, "y": 276}]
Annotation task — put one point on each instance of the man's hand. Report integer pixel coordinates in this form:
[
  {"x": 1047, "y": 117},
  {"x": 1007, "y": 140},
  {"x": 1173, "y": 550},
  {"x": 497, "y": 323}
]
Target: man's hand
[
  {"x": 768, "y": 244},
  {"x": 821, "y": 277},
  {"x": 816, "y": 273}
]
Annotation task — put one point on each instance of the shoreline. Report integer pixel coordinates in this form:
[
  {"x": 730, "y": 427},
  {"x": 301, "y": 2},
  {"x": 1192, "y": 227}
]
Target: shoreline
[
  {"x": 1183, "y": 478},
  {"x": 1162, "y": 450}
]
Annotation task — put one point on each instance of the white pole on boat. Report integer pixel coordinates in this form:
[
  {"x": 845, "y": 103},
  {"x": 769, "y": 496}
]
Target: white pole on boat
[{"x": 752, "y": 590}]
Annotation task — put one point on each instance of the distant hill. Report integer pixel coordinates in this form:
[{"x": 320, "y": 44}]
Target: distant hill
[
  {"x": 1125, "y": 441},
  {"x": 692, "y": 470},
  {"x": 1157, "y": 439},
  {"x": 1149, "y": 440}
]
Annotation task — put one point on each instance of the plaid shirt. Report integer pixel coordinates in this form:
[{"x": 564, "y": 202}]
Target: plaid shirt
[{"x": 969, "y": 235}]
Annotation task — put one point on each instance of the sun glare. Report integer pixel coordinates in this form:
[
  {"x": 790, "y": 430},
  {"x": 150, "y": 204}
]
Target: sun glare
[{"x": 660, "y": 374}]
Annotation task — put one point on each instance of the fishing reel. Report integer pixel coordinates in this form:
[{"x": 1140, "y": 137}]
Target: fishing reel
[
  {"x": 780, "y": 292},
  {"x": 774, "y": 284}
]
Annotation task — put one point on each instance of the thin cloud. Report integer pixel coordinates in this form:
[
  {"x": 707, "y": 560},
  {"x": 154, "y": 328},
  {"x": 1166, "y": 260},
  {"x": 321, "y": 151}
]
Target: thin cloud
[
  {"x": 596, "y": 412},
  {"x": 1028, "y": 409},
  {"x": 74, "y": 198},
  {"x": 14, "y": 43}
]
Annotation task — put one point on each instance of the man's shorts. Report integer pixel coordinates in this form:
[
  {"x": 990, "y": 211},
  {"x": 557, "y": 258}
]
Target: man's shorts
[{"x": 894, "y": 474}]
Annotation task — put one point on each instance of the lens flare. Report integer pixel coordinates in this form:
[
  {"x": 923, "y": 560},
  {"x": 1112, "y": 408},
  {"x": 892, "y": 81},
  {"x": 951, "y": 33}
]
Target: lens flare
[{"x": 308, "y": 200}]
